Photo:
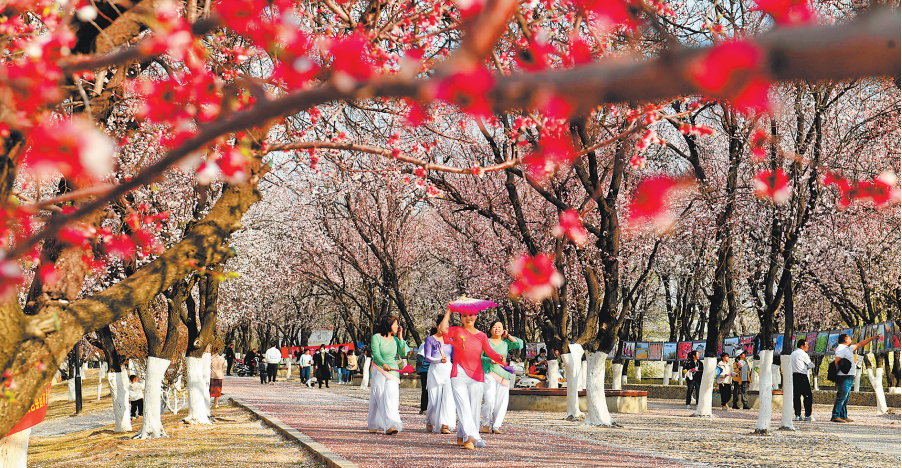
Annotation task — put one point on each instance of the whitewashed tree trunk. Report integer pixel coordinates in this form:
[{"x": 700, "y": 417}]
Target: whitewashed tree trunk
[
  {"x": 682, "y": 378},
  {"x": 765, "y": 393},
  {"x": 858, "y": 363},
  {"x": 288, "y": 364},
  {"x": 776, "y": 377},
  {"x": 616, "y": 381},
  {"x": 787, "y": 413},
  {"x": 14, "y": 450},
  {"x": 583, "y": 372},
  {"x": 706, "y": 391},
  {"x": 753, "y": 376},
  {"x": 637, "y": 371},
  {"x": 152, "y": 428},
  {"x": 668, "y": 370},
  {"x": 553, "y": 373},
  {"x": 597, "y": 406},
  {"x": 573, "y": 367},
  {"x": 365, "y": 381},
  {"x": 71, "y": 383},
  {"x": 877, "y": 384},
  {"x": 118, "y": 383},
  {"x": 101, "y": 374},
  {"x": 198, "y": 399},
  {"x": 208, "y": 358}
]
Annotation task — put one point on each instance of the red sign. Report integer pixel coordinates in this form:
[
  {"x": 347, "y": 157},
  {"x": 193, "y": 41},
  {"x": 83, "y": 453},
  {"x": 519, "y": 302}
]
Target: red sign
[{"x": 34, "y": 415}]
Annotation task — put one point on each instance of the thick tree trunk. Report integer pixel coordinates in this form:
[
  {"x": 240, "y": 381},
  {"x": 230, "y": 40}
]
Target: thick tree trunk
[
  {"x": 616, "y": 379},
  {"x": 153, "y": 399},
  {"x": 596, "y": 405},
  {"x": 573, "y": 367},
  {"x": 198, "y": 393},
  {"x": 787, "y": 413},
  {"x": 118, "y": 382},
  {"x": 637, "y": 371},
  {"x": 706, "y": 391},
  {"x": 14, "y": 450},
  {"x": 876, "y": 380},
  {"x": 553, "y": 373},
  {"x": 667, "y": 370},
  {"x": 765, "y": 392}
]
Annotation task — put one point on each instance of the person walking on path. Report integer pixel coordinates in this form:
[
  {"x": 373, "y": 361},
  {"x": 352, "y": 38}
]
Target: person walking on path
[
  {"x": 801, "y": 388},
  {"x": 322, "y": 363},
  {"x": 741, "y": 379},
  {"x": 845, "y": 374},
  {"x": 217, "y": 366},
  {"x": 229, "y": 358},
  {"x": 422, "y": 370},
  {"x": 497, "y": 380},
  {"x": 467, "y": 377},
  {"x": 136, "y": 397},
  {"x": 341, "y": 364},
  {"x": 305, "y": 362},
  {"x": 388, "y": 345},
  {"x": 273, "y": 358},
  {"x": 724, "y": 378},
  {"x": 353, "y": 365},
  {"x": 440, "y": 413},
  {"x": 693, "y": 369}
]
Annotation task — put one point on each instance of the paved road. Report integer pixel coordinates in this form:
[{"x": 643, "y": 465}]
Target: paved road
[
  {"x": 339, "y": 423},
  {"x": 62, "y": 426}
]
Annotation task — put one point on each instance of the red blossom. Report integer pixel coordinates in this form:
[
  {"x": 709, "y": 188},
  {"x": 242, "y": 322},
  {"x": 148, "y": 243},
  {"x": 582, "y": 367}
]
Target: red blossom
[
  {"x": 469, "y": 90},
  {"x": 757, "y": 141},
  {"x": 652, "y": 197},
  {"x": 773, "y": 185},
  {"x": 75, "y": 148},
  {"x": 785, "y": 12},
  {"x": 733, "y": 70},
  {"x": 881, "y": 191},
  {"x": 553, "y": 151},
  {"x": 572, "y": 227},
  {"x": 351, "y": 60},
  {"x": 536, "y": 277},
  {"x": 579, "y": 53},
  {"x": 609, "y": 14}
]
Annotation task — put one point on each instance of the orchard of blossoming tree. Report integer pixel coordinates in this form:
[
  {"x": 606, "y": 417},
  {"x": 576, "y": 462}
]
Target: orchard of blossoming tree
[{"x": 176, "y": 174}]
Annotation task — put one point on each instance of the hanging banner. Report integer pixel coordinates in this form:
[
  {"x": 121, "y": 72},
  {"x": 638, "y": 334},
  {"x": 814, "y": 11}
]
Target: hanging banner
[{"x": 35, "y": 414}]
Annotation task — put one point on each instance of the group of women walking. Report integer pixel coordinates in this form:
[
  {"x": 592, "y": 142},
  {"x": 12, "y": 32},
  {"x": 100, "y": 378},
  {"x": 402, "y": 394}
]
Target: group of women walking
[{"x": 466, "y": 367}]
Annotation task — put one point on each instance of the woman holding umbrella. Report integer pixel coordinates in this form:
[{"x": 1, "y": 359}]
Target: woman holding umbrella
[
  {"x": 497, "y": 379},
  {"x": 467, "y": 378},
  {"x": 384, "y": 393},
  {"x": 440, "y": 415}
]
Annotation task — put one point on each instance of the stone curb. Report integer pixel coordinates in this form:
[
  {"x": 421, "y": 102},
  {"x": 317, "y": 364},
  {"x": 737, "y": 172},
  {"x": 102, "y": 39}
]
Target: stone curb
[{"x": 320, "y": 451}]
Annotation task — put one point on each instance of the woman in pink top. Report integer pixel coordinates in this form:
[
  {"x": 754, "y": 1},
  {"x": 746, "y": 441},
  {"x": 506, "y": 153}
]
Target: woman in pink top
[
  {"x": 217, "y": 367},
  {"x": 467, "y": 376}
]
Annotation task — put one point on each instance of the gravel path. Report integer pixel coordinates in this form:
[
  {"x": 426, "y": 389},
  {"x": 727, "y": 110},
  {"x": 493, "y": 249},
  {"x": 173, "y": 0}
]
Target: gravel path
[
  {"x": 727, "y": 440},
  {"x": 68, "y": 425},
  {"x": 339, "y": 422}
]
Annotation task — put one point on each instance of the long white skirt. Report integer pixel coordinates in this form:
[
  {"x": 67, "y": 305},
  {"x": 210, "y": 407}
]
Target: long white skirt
[
  {"x": 495, "y": 406},
  {"x": 467, "y": 400},
  {"x": 441, "y": 409},
  {"x": 384, "y": 400}
]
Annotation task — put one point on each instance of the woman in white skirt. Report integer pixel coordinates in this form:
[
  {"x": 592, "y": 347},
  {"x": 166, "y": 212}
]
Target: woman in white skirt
[
  {"x": 384, "y": 394},
  {"x": 467, "y": 379},
  {"x": 497, "y": 380},
  {"x": 440, "y": 414}
]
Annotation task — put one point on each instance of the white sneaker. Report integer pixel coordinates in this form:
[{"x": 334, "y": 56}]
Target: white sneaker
[
  {"x": 688, "y": 406},
  {"x": 797, "y": 418},
  {"x": 810, "y": 419}
]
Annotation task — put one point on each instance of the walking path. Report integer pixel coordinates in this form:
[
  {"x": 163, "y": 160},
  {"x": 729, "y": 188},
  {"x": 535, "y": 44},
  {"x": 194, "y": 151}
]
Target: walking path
[
  {"x": 75, "y": 423},
  {"x": 339, "y": 423}
]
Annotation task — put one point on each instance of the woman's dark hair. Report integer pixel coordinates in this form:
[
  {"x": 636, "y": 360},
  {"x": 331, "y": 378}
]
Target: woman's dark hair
[
  {"x": 384, "y": 326},
  {"x": 433, "y": 331},
  {"x": 439, "y": 319},
  {"x": 724, "y": 355}
]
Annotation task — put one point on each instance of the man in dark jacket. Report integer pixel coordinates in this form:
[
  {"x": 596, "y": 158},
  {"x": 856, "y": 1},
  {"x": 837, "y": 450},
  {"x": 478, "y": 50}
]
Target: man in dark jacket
[
  {"x": 230, "y": 359},
  {"x": 693, "y": 368},
  {"x": 322, "y": 366},
  {"x": 250, "y": 360}
]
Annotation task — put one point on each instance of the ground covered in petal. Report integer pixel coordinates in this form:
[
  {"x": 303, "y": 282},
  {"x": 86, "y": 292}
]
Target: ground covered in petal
[{"x": 237, "y": 439}]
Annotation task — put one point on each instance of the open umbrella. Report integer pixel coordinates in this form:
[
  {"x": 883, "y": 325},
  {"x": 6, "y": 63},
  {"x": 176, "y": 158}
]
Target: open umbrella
[{"x": 469, "y": 306}]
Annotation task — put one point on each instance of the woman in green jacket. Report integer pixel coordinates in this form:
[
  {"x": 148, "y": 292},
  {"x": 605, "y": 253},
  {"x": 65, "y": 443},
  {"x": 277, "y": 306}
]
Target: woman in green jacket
[
  {"x": 384, "y": 393},
  {"x": 497, "y": 380}
]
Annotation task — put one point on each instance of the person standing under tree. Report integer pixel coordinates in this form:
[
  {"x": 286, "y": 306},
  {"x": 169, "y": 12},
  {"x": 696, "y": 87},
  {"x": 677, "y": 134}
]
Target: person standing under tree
[
  {"x": 845, "y": 374},
  {"x": 136, "y": 396},
  {"x": 341, "y": 363},
  {"x": 273, "y": 358},
  {"x": 497, "y": 380},
  {"x": 322, "y": 363},
  {"x": 217, "y": 365},
  {"x": 801, "y": 388},
  {"x": 741, "y": 379},
  {"x": 693, "y": 369},
  {"x": 422, "y": 370},
  {"x": 305, "y": 362},
  {"x": 388, "y": 346},
  {"x": 250, "y": 360},
  {"x": 724, "y": 378},
  {"x": 229, "y": 358}
]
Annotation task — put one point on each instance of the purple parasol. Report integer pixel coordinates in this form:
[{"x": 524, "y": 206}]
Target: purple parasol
[{"x": 469, "y": 306}]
